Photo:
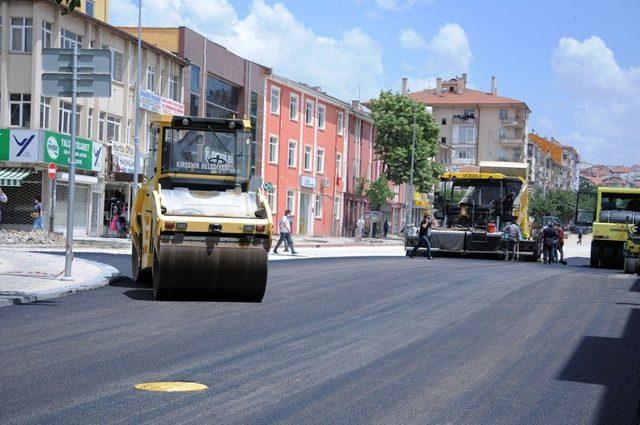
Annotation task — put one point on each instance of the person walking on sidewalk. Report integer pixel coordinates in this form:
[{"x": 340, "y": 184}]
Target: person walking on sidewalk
[
  {"x": 286, "y": 243},
  {"x": 385, "y": 228},
  {"x": 3, "y": 200},
  {"x": 359, "y": 229},
  {"x": 423, "y": 237},
  {"x": 514, "y": 235},
  {"x": 579, "y": 236},
  {"x": 37, "y": 214},
  {"x": 285, "y": 233}
]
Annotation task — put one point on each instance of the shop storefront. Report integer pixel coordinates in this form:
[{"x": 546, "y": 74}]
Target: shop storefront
[{"x": 24, "y": 156}]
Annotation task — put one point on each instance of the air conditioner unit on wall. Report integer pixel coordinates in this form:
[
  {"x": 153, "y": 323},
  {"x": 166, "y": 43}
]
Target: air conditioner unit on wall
[{"x": 325, "y": 182}]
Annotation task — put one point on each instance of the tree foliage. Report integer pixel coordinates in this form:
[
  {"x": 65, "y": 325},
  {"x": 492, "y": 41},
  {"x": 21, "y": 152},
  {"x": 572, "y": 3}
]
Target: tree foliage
[
  {"x": 561, "y": 203},
  {"x": 586, "y": 185},
  {"x": 72, "y": 4},
  {"x": 393, "y": 115},
  {"x": 379, "y": 192}
]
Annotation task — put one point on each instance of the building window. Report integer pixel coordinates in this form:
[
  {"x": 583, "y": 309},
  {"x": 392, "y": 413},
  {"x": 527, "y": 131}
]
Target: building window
[
  {"x": 116, "y": 64},
  {"x": 322, "y": 111},
  {"x": 340, "y": 123},
  {"x": 469, "y": 112},
  {"x": 101, "y": 124},
  {"x": 222, "y": 98},
  {"x": 502, "y": 155},
  {"x": 308, "y": 112},
  {"x": 291, "y": 157},
  {"x": 318, "y": 208},
  {"x": 64, "y": 117},
  {"x": 113, "y": 128},
  {"x": 443, "y": 140},
  {"x": 174, "y": 87},
  {"x": 20, "y": 105},
  {"x": 337, "y": 210},
  {"x": 339, "y": 165},
  {"x": 151, "y": 77},
  {"x": 275, "y": 100},
  {"x": 291, "y": 200},
  {"x": 320, "y": 161},
  {"x": 21, "y": 34},
  {"x": 194, "y": 98},
  {"x": 69, "y": 38},
  {"x": 272, "y": 200},
  {"x": 45, "y": 112},
  {"x": 90, "y": 123},
  {"x": 444, "y": 121},
  {"x": 47, "y": 34},
  {"x": 307, "y": 158},
  {"x": 464, "y": 153},
  {"x": 293, "y": 107},
  {"x": 502, "y": 133},
  {"x": 464, "y": 135},
  {"x": 89, "y": 7},
  {"x": 502, "y": 114},
  {"x": 273, "y": 149},
  {"x": 517, "y": 155}
]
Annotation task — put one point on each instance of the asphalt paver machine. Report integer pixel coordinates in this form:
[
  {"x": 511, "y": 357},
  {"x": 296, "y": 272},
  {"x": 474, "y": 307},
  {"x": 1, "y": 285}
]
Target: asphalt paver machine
[{"x": 200, "y": 226}]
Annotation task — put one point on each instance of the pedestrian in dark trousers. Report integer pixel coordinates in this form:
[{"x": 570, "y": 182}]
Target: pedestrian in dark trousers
[
  {"x": 385, "y": 228},
  {"x": 36, "y": 214},
  {"x": 285, "y": 233},
  {"x": 560, "y": 244},
  {"x": 514, "y": 235},
  {"x": 579, "y": 236},
  {"x": 423, "y": 237},
  {"x": 286, "y": 242},
  {"x": 549, "y": 238}
]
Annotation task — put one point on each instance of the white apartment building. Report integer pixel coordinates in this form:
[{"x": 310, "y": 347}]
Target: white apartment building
[
  {"x": 105, "y": 126},
  {"x": 474, "y": 125}
]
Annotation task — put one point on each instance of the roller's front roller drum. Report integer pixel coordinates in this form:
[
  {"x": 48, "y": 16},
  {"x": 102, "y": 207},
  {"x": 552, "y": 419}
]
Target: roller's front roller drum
[
  {"x": 630, "y": 265},
  {"x": 210, "y": 271}
]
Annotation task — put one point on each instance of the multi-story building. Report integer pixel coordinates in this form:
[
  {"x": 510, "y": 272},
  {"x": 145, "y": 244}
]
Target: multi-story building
[
  {"x": 98, "y": 9},
  {"x": 545, "y": 163},
  {"x": 105, "y": 129},
  {"x": 571, "y": 168},
  {"x": 219, "y": 83},
  {"x": 476, "y": 126}
]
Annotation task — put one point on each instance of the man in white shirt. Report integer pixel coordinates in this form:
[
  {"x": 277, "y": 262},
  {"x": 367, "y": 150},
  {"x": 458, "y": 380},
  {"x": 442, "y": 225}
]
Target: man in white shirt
[
  {"x": 3, "y": 199},
  {"x": 285, "y": 233},
  {"x": 359, "y": 229}
]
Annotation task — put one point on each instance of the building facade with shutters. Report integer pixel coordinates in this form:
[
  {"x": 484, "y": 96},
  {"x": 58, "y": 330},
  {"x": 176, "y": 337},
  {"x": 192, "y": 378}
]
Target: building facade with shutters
[{"x": 105, "y": 126}]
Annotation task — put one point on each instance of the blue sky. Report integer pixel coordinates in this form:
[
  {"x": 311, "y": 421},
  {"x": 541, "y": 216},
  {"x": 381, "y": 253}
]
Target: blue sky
[{"x": 575, "y": 63}]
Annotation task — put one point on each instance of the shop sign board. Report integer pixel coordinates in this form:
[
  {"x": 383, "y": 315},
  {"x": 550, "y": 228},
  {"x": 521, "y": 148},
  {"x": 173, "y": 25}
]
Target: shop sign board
[
  {"x": 23, "y": 146},
  {"x": 123, "y": 157},
  {"x": 171, "y": 107},
  {"x": 4, "y": 144},
  {"x": 57, "y": 150},
  {"x": 150, "y": 101},
  {"x": 307, "y": 181}
]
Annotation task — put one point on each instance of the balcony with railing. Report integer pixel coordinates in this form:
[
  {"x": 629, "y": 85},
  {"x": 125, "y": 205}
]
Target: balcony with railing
[{"x": 512, "y": 121}]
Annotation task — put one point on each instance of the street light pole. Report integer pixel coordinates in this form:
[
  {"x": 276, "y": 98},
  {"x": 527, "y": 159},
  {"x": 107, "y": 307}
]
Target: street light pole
[
  {"x": 68, "y": 259},
  {"x": 136, "y": 135},
  {"x": 411, "y": 190}
]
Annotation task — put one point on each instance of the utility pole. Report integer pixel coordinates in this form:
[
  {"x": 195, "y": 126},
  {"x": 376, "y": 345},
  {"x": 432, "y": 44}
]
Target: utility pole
[
  {"x": 411, "y": 189},
  {"x": 68, "y": 259},
  {"x": 136, "y": 136}
]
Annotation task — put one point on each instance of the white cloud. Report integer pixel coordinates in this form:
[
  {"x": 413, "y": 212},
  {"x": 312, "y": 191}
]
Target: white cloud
[
  {"x": 273, "y": 36},
  {"x": 449, "y": 52},
  {"x": 411, "y": 40},
  {"x": 604, "y": 99},
  {"x": 400, "y": 4}
]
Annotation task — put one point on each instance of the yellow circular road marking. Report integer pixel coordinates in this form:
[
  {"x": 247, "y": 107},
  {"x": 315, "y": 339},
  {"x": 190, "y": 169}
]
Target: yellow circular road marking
[{"x": 171, "y": 387}]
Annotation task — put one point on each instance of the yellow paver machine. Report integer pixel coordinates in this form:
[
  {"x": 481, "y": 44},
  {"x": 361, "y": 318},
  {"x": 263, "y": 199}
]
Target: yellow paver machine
[{"x": 200, "y": 227}]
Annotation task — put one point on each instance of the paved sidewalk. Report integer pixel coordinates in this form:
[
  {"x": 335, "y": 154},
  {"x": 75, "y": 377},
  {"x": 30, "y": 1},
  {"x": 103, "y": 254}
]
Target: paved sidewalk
[{"x": 26, "y": 277}]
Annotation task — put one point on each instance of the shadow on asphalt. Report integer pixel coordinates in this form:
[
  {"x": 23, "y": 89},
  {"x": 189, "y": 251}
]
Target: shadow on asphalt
[{"x": 612, "y": 363}]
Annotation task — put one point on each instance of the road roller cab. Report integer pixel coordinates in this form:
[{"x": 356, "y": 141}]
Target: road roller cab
[
  {"x": 201, "y": 227},
  {"x": 614, "y": 214}
]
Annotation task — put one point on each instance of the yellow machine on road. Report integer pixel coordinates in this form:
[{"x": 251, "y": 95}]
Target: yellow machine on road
[
  {"x": 614, "y": 214},
  {"x": 198, "y": 226},
  {"x": 473, "y": 207}
]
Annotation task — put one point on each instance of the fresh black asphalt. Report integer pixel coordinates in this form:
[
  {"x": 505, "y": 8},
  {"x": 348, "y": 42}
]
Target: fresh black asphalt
[{"x": 361, "y": 340}]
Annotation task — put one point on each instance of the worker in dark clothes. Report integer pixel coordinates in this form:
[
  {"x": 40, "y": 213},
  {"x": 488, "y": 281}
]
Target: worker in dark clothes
[
  {"x": 423, "y": 237},
  {"x": 549, "y": 239}
]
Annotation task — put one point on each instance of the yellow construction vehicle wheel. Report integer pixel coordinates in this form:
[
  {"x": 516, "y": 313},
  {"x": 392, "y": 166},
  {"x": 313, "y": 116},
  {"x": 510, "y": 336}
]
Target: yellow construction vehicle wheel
[
  {"x": 630, "y": 265},
  {"x": 137, "y": 273},
  {"x": 594, "y": 260}
]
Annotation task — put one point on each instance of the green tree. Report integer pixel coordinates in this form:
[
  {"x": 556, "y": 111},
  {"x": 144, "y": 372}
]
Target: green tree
[
  {"x": 561, "y": 203},
  {"x": 72, "y": 4},
  {"x": 379, "y": 193},
  {"x": 586, "y": 185},
  {"x": 394, "y": 116}
]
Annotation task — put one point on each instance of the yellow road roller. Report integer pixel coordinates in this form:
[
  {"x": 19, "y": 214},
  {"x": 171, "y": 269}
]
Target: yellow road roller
[{"x": 200, "y": 225}]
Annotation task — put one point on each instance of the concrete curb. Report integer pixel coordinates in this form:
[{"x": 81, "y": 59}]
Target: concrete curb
[{"x": 107, "y": 275}]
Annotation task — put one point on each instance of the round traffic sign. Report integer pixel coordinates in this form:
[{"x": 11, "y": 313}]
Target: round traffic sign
[{"x": 51, "y": 170}]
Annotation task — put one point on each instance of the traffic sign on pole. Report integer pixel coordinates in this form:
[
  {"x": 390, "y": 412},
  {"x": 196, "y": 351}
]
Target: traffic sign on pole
[{"x": 51, "y": 170}]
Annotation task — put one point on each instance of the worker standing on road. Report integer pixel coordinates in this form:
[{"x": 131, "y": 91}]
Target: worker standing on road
[
  {"x": 359, "y": 229},
  {"x": 423, "y": 237},
  {"x": 560, "y": 243},
  {"x": 514, "y": 234},
  {"x": 285, "y": 233},
  {"x": 385, "y": 228},
  {"x": 549, "y": 237}
]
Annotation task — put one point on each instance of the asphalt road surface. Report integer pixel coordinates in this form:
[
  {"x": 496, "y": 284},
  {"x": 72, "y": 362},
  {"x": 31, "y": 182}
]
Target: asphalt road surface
[{"x": 360, "y": 340}]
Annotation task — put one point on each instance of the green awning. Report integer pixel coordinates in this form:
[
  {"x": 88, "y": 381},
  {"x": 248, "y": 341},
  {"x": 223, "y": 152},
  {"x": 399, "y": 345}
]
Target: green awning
[{"x": 13, "y": 176}]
